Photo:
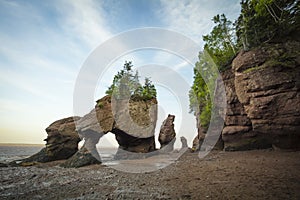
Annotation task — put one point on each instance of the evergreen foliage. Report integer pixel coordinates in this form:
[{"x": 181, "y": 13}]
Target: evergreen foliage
[
  {"x": 263, "y": 21},
  {"x": 200, "y": 95},
  {"x": 221, "y": 42},
  {"x": 126, "y": 85}
]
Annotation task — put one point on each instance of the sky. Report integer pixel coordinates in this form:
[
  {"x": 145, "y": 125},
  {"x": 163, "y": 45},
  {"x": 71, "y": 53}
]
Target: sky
[{"x": 44, "y": 45}]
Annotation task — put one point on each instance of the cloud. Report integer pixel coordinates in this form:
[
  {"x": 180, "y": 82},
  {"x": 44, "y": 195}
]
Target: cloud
[
  {"x": 50, "y": 50},
  {"x": 43, "y": 45},
  {"x": 193, "y": 17},
  {"x": 86, "y": 20}
]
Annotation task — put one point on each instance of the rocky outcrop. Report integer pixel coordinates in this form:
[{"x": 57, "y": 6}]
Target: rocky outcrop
[
  {"x": 167, "y": 135},
  {"x": 184, "y": 143},
  {"x": 197, "y": 142},
  {"x": 61, "y": 142},
  {"x": 237, "y": 133},
  {"x": 267, "y": 84},
  {"x": 134, "y": 126},
  {"x": 199, "y": 139},
  {"x": 132, "y": 121},
  {"x": 263, "y": 98}
]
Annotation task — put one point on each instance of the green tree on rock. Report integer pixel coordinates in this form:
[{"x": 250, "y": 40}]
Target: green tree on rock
[
  {"x": 264, "y": 21},
  {"x": 126, "y": 85},
  {"x": 201, "y": 93},
  {"x": 221, "y": 42}
]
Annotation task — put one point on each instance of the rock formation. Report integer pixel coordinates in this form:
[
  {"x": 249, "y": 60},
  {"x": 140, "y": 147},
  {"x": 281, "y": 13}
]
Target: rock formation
[
  {"x": 167, "y": 135},
  {"x": 263, "y": 99},
  {"x": 61, "y": 142},
  {"x": 81, "y": 158},
  {"x": 132, "y": 121},
  {"x": 183, "y": 142},
  {"x": 267, "y": 83},
  {"x": 197, "y": 142},
  {"x": 237, "y": 124}
]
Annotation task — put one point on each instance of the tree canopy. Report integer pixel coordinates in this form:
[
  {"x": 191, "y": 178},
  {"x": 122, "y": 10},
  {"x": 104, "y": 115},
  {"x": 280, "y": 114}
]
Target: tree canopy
[
  {"x": 126, "y": 85},
  {"x": 221, "y": 42},
  {"x": 263, "y": 21}
]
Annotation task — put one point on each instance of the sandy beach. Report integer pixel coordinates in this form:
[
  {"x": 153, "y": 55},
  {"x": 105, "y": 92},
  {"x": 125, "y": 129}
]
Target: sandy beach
[{"x": 258, "y": 174}]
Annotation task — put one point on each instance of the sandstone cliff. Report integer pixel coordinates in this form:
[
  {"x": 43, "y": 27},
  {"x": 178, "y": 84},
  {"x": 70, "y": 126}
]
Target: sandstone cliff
[
  {"x": 263, "y": 99},
  {"x": 267, "y": 83}
]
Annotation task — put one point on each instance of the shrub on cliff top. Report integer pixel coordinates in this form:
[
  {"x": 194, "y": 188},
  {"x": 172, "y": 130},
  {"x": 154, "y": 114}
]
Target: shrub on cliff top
[{"x": 126, "y": 85}]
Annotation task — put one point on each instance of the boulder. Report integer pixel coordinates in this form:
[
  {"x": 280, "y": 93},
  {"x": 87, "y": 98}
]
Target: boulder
[
  {"x": 263, "y": 99},
  {"x": 167, "y": 135}
]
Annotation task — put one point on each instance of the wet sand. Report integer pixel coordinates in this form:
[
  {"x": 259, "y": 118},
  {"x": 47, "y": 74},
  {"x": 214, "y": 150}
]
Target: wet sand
[{"x": 259, "y": 174}]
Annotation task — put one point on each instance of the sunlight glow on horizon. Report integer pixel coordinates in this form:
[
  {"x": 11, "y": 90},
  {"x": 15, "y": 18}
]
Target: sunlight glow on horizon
[{"x": 45, "y": 43}]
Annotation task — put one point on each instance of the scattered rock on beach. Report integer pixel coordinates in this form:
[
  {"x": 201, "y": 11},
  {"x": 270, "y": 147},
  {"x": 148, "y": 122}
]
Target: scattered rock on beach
[{"x": 3, "y": 165}]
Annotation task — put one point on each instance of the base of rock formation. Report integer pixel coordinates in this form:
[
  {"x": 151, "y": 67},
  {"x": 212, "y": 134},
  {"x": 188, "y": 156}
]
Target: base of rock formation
[
  {"x": 127, "y": 155},
  {"x": 83, "y": 157},
  {"x": 134, "y": 144}
]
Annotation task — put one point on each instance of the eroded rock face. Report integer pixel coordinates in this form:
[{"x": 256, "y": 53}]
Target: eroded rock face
[
  {"x": 135, "y": 117},
  {"x": 167, "y": 134},
  {"x": 61, "y": 142},
  {"x": 263, "y": 99},
  {"x": 267, "y": 85},
  {"x": 132, "y": 121},
  {"x": 237, "y": 133},
  {"x": 197, "y": 142}
]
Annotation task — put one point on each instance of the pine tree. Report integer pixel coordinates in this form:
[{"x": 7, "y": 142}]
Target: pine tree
[
  {"x": 221, "y": 42},
  {"x": 126, "y": 85}
]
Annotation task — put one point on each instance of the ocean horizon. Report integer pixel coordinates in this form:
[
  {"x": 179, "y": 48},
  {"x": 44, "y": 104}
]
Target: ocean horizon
[{"x": 16, "y": 151}]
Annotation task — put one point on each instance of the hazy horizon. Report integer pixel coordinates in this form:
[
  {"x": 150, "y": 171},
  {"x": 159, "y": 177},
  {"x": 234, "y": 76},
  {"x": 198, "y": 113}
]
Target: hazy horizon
[{"x": 45, "y": 43}]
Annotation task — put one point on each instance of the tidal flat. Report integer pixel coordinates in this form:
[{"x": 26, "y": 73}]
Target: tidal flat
[{"x": 257, "y": 174}]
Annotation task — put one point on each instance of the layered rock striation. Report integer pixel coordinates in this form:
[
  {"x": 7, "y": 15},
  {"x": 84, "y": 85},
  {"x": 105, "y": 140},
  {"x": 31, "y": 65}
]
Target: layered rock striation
[
  {"x": 237, "y": 129},
  {"x": 263, "y": 99},
  {"x": 267, "y": 83}
]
